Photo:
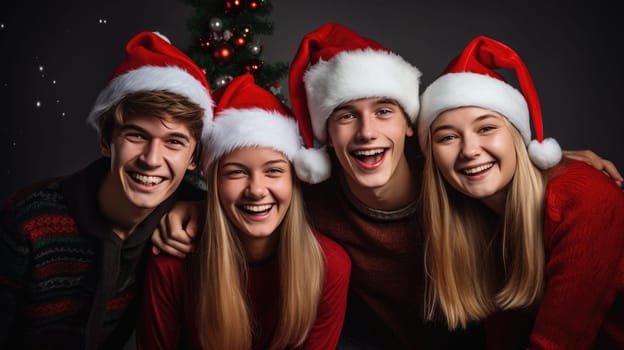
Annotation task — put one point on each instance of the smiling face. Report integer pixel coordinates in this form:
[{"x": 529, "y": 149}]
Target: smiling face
[
  {"x": 255, "y": 186},
  {"x": 368, "y": 137},
  {"x": 149, "y": 158},
  {"x": 474, "y": 151}
]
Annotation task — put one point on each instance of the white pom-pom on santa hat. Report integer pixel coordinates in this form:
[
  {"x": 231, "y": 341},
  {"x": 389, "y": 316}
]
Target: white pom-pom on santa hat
[
  {"x": 312, "y": 164},
  {"x": 470, "y": 80},
  {"x": 151, "y": 64},
  {"x": 545, "y": 154},
  {"x": 246, "y": 115}
]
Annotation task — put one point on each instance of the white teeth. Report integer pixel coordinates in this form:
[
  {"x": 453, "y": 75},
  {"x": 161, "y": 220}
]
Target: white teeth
[
  {"x": 369, "y": 152},
  {"x": 478, "y": 169},
  {"x": 147, "y": 180},
  {"x": 257, "y": 208}
]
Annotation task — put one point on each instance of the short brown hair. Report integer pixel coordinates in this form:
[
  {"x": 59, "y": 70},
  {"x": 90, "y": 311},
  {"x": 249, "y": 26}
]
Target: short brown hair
[{"x": 164, "y": 105}]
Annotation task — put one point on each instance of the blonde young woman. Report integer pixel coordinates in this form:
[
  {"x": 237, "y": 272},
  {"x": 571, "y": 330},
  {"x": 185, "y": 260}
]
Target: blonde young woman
[
  {"x": 260, "y": 278},
  {"x": 530, "y": 244}
]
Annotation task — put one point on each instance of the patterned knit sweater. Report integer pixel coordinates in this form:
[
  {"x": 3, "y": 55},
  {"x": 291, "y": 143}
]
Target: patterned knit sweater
[{"x": 66, "y": 280}]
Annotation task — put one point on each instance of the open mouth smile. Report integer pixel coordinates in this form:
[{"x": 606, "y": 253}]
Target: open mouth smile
[
  {"x": 146, "y": 180},
  {"x": 478, "y": 169},
  {"x": 256, "y": 209},
  {"x": 369, "y": 156}
]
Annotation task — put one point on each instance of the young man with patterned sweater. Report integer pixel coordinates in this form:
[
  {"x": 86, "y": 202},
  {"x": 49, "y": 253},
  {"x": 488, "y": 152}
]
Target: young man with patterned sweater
[{"x": 72, "y": 248}]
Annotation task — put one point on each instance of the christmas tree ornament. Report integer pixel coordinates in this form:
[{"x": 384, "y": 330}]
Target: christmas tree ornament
[
  {"x": 227, "y": 34},
  {"x": 205, "y": 44},
  {"x": 222, "y": 80},
  {"x": 254, "y": 65},
  {"x": 245, "y": 30},
  {"x": 215, "y": 37},
  {"x": 255, "y": 48},
  {"x": 223, "y": 53},
  {"x": 276, "y": 88},
  {"x": 234, "y": 7},
  {"x": 216, "y": 24},
  {"x": 253, "y": 5},
  {"x": 240, "y": 41}
]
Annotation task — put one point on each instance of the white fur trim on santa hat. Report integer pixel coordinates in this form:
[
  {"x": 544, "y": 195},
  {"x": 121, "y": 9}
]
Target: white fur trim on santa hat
[
  {"x": 312, "y": 165},
  {"x": 152, "y": 78},
  {"x": 454, "y": 90},
  {"x": 546, "y": 154},
  {"x": 352, "y": 75},
  {"x": 237, "y": 128}
]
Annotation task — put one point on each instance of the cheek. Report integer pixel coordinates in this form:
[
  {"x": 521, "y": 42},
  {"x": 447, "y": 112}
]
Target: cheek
[
  {"x": 339, "y": 136},
  {"x": 228, "y": 192},
  {"x": 443, "y": 158},
  {"x": 283, "y": 189}
]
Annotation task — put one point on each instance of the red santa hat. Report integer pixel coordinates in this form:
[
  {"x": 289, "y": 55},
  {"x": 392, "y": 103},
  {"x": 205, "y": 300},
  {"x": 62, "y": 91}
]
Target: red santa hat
[
  {"x": 335, "y": 65},
  {"x": 152, "y": 63},
  {"x": 247, "y": 115},
  {"x": 470, "y": 80}
]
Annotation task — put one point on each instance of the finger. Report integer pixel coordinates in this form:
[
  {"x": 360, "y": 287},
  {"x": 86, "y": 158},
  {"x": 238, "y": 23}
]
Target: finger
[
  {"x": 192, "y": 227},
  {"x": 170, "y": 247},
  {"x": 166, "y": 248},
  {"x": 612, "y": 171},
  {"x": 173, "y": 230}
]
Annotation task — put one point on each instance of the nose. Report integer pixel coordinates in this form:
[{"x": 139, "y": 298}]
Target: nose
[
  {"x": 152, "y": 154},
  {"x": 256, "y": 188},
  {"x": 367, "y": 130},
  {"x": 471, "y": 147}
]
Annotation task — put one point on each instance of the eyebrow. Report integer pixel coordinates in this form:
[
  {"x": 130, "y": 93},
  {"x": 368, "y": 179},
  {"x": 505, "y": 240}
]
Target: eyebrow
[
  {"x": 134, "y": 127},
  {"x": 379, "y": 101},
  {"x": 478, "y": 119},
  {"x": 270, "y": 162}
]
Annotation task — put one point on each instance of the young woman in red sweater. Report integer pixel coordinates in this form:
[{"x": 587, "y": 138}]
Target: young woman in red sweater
[
  {"x": 530, "y": 244},
  {"x": 260, "y": 277}
]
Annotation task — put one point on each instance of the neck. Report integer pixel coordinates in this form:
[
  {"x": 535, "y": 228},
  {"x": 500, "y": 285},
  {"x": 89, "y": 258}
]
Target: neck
[
  {"x": 259, "y": 249},
  {"x": 397, "y": 193},
  {"x": 123, "y": 216},
  {"x": 496, "y": 202}
]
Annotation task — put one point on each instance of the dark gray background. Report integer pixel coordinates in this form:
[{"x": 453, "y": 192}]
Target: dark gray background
[{"x": 572, "y": 50}]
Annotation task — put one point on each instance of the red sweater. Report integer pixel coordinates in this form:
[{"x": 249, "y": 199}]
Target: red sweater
[
  {"x": 583, "y": 302},
  {"x": 168, "y": 309},
  {"x": 385, "y": 305}
]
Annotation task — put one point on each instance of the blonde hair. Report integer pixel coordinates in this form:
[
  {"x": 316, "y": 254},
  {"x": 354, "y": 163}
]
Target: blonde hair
[
  {"x": 475, "y": 267},
  {"x": 223, "y": 317}
]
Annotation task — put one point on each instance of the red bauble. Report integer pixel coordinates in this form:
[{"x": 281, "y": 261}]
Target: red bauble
[
  {"x": 234, "y": 7},
  {"x": 240, "y": 41},
  {"x": 255, "y": 4},
  {"x": 253, "y": 66},
  {"x": 223, "y": 52}
]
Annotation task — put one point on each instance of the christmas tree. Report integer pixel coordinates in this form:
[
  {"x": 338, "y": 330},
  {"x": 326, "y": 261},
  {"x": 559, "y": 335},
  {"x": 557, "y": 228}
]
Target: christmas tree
[{"x": 225, "y": 43}]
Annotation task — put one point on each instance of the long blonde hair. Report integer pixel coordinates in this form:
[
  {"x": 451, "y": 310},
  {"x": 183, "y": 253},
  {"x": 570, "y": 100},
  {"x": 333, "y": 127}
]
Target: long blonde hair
[
  {"x": 223, "y": 317},
  {"x": 475, "y": 266}
]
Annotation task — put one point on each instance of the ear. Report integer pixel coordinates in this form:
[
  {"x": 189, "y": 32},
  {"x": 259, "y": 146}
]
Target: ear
[
  {"x": 192, "y": 166},
  {"x": 105, "y": 148},
  {"x": 409, "y": 132}
]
